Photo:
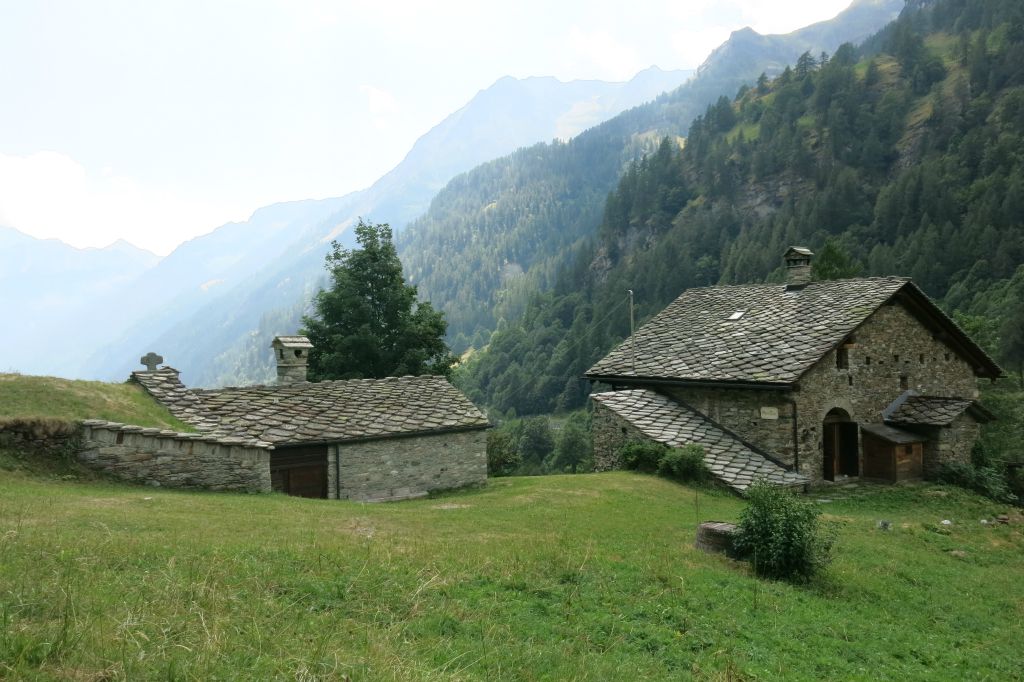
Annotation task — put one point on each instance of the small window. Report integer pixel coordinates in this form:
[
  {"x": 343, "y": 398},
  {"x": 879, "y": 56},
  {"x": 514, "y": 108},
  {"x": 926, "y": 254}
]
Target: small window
[
  {"x": 895, "y": 358},
  {"x": 736, "y": 315},
  {"x": 120, "y": 437},
  {"x": 298, "y": 353},
  {"x": 920, "y": 358},
  {"x": 842, "y": 358},
  {"x": 623, "y": 429},
  {"x": 904, "y": 382},
  {"x": 947, "y": 357},
  {"x": 867, "y": 359},
  {"x": 849, "y": 380},
  {"x": 280, "y": 353}
]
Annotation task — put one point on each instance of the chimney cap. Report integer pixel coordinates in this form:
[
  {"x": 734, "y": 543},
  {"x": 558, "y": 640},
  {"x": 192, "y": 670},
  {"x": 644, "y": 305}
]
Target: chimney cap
[
  {"x": 291, "y": 342},
  {"x": 798, "y": 251}
]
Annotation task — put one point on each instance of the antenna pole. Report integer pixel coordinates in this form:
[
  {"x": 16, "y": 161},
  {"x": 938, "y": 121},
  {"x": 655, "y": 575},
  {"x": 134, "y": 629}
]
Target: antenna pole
[{"x": 632, "y": 340}]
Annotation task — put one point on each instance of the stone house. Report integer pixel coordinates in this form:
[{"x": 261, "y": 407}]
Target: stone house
[
  {"x": 361, "y": 439},
  {"x": 801, "y": 382}
]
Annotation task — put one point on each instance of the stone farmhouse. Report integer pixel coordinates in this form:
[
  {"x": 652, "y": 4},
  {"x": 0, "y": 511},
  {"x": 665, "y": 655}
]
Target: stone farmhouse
[
  {"x": 798, "y": 383},
  {"x": 361, "y": 439}
]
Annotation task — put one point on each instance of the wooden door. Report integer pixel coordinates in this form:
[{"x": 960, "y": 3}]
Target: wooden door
[
  {"x": 831, "y": 448},
  {"x": 300, "y": 471}
]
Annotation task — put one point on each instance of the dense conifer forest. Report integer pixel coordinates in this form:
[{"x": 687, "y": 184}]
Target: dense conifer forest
[{"x": 902, "y": 157}]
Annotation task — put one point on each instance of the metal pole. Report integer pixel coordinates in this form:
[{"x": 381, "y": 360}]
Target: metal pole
[{"x": 632, "y": 339}]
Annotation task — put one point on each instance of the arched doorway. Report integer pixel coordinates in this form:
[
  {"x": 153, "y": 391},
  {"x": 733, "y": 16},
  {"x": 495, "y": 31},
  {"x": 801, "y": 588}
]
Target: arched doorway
[{"x": 841, "y": 453}]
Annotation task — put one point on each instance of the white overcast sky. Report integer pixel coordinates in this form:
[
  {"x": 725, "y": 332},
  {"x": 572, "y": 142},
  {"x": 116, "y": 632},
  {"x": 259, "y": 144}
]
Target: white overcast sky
[{"x": 157, "y": 121}]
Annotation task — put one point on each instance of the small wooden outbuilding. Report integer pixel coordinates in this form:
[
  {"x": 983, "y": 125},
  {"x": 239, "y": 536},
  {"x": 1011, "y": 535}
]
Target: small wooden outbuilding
[{"x": 891, "y": 454}]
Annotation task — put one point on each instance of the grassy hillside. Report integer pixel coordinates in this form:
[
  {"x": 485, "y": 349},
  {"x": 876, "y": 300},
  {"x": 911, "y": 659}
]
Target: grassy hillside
[
  {"x": 39, "y": 398},
  {"x": 570, "y": 578}
]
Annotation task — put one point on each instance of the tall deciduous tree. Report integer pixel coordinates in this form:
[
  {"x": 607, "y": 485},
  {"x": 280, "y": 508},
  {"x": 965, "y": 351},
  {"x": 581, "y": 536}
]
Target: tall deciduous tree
[{"x": 368, "y": 324}]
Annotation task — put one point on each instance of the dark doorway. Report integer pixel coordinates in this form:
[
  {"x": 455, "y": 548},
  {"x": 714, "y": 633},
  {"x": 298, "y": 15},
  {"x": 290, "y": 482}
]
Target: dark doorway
[
  {"x": 300, "y": 471},
  {"x": 841, "y": 456}
]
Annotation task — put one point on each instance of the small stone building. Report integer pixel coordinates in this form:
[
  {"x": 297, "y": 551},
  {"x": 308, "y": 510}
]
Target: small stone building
[
  {"x": 362, "y": 439},
  {"x": 789, "y": 382}
]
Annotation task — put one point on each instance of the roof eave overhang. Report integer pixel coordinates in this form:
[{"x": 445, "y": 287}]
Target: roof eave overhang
[
  {"x": 621, "y": 380},
  {"x": 383, "y": 436},
  {"x": 949, "y": 331}
]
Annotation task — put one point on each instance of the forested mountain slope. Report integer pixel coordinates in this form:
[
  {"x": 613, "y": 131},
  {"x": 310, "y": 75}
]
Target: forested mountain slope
[
  {"x": 906, "y": 155},
  {"x": 503, "y": 230}
]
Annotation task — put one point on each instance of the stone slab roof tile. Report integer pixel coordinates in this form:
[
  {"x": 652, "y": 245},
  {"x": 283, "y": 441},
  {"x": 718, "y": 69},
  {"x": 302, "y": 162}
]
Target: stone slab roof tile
[
  {"x": 929, "y": 410},
  {"x": 779, "y": 335},
  {"x": 729, "y": 459},
  {"x": 317, "y": 412},
  {"x": 344, "y": 410}
]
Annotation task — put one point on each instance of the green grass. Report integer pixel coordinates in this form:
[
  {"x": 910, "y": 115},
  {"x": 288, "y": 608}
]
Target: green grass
[
  {"x": 40, "y": 398},
  {"x": 551, "y": 578}
]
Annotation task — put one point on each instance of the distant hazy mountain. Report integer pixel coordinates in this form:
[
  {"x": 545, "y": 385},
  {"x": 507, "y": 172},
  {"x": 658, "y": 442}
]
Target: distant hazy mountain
[
  {"x": 748, "y": 53},
  {"x": 44, "y": 283},
  {"x": 213, "y": 291}
]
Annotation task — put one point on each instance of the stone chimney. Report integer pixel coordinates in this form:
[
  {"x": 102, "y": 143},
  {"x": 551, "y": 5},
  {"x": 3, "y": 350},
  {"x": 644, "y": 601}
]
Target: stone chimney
[
  {"x": 798, "y": 267},
  {"x": 291, "y": 353}
]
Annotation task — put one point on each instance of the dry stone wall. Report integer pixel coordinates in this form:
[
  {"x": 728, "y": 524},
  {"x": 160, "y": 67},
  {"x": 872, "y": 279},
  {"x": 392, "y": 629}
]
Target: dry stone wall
[
  {"x": 160, "y": 457},
  {"x": 609, "y": 433},
  {"x": 401, "y": 468},
  {"x": 890, "y": 353},
  {"x": 761, "y": 417}
]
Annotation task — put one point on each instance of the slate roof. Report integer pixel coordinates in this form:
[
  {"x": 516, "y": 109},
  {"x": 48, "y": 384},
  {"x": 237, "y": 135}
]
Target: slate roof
[
  {"x": 177, "y": 435},
  {"x": 775, "y": 334},
  {"x": 165, "y": 385},
  {"x": 666, "y": 421},
  {"x": 933, "y": 411},
  {"x": 329, "y": 411},
  {"x": 892, "y": 434},
  {"x": 291, "y": 342}
]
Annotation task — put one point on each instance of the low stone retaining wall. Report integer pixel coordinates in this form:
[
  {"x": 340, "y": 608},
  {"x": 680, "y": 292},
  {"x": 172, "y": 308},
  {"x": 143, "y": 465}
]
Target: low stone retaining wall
[
  {"x": 40, "y": 435},
  {"x": 161, "y": 457}
]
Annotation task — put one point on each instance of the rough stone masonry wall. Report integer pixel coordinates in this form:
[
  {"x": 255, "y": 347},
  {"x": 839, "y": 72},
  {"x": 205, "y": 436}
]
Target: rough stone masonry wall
[
  {"x": 176, "y": 460},
  {"x": 763, "y": 418},
  {"x": 890, "y": 344},
  {"x": 400, "y": 468},
  {"x": 609, "y": 433}
]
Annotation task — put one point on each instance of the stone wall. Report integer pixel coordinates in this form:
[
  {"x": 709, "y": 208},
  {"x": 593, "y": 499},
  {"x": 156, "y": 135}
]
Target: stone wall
[
  {"x": 609, "y": 433},
  {"x": 40, "y": 435},
  {"x": 889, "y": 351},
  {"x": 176, "y": 460},
  {"x": 761, "y": 417},
  {"x": 400, "y": 468},
  {"x": 951, "y": 443}
]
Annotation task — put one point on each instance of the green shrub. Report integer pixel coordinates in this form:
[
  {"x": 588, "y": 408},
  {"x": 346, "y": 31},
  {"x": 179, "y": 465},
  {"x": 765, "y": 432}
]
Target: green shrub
[
  {"x": 685, "y": 464},
  {"x": 779, "y": 533},
  {"x": 988, "y": 480},
  {"x": 502, "y": 453},
  {"x": 643, "y": 455},
  {"x": 1015, "y": 479}
]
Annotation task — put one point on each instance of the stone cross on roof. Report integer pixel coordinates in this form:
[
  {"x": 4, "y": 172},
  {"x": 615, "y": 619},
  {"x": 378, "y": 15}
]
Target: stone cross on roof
[{"x": 151, "y": 360}]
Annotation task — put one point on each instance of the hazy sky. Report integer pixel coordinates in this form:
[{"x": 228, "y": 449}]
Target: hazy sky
[{"x": 158, "y": 121}]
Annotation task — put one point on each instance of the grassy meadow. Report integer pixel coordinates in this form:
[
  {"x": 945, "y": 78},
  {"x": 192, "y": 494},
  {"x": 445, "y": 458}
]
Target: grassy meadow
[
  {"x": 589, "y": 577},
  {"x": 25, "y": 397}
]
